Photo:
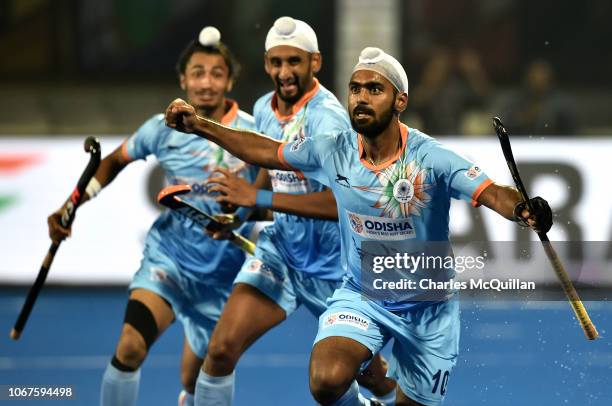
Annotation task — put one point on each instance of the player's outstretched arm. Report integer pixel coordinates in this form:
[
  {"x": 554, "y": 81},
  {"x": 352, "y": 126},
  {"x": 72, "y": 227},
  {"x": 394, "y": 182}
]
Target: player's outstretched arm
[
  {"x": 249, "y": 146},
  {"x": 507, "y": 201},
  {"x": 109, "y": 168},
  {"x": 319, "y": 205},
  {"x": 237, "y": 191}
]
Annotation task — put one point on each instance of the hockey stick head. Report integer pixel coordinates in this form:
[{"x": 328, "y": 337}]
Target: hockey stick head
[
  {"x": 499, "y": 127},
  {"x": 504, "y": 141},
  {"x": 92, "y": 145},
  {"x": 168, "y": 196}
]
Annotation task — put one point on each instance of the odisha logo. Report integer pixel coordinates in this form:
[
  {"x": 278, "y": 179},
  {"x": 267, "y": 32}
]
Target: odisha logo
[
  {"x": 356, "y": 223},
  {"x": 403, "y": 191},
  {"x": 158, "y": 274},
  {"x": 254, "y": 266},
  {"x": 331, "y": 319}
]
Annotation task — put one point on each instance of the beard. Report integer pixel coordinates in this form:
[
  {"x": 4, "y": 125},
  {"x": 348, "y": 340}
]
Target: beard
[
  {"x": 372, "y": 129},
  {"x": 206, "y": 110},
  {"x": 290, "y": 99}
]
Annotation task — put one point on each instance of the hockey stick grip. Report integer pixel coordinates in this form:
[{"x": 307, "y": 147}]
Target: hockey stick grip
[
  {"x": 568, "y": 288},
  {"x": 170, "y": 197}
]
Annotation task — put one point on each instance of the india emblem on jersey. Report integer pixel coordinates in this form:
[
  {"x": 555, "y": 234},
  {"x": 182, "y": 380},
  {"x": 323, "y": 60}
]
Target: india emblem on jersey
[{"x": 403, "y": 190}]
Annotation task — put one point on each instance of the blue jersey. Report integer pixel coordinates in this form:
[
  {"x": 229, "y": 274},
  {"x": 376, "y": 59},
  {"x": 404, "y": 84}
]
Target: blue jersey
[
  {"x": 405, "y": 198},
  {"x": 189, "y": 159},
  {"x": 307, "y": 245}
]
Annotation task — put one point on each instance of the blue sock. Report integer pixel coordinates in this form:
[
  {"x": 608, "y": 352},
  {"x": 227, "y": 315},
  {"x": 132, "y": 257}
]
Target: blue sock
[
  {"x": 214, "y": 390},
  {"x": 119, "y": 388},
  {"x": 352, "y": 397}
]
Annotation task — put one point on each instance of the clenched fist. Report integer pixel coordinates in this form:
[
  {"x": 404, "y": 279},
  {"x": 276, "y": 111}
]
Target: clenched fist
[{"x": 181, "y": 116}]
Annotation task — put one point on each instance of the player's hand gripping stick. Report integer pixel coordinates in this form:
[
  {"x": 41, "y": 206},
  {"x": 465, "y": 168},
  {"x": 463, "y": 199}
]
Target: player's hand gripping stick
[
  {"x": 92, "y": 146},
  {"x": 170, "y": 197}
]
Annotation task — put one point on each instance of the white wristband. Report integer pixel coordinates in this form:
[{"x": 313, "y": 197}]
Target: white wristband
[{"x": 93, "y": 188}]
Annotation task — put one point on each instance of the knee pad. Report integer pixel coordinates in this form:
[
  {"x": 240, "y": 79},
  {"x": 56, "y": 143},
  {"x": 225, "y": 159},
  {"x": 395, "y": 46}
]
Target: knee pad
[
  {"x": 121, "y": 366},
  {"x": 139, "y": 316}
]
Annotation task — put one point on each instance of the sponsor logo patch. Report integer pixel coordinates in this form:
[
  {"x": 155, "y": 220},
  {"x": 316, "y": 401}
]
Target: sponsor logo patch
[
  {"x": 342, "y": 180},
  {"x": 158, "y": 274},
  {"x": 288, "y": 182},
  {"x": 347, "y": 319},
  {"x": 473, "y": 172},
  {"x": 381, "y": 228},
  {"x": 256, "y": 266}
]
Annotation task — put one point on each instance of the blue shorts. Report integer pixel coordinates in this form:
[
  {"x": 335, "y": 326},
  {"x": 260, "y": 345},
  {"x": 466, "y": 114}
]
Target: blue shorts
[
  {"x": 288, "y": 288},
  {"x": 195, "y": 304},
  {"x": 426, "y": 341}
]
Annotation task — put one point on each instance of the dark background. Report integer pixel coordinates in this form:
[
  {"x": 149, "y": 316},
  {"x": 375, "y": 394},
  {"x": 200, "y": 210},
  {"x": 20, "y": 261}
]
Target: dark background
[{"x": 91, "y": 66}]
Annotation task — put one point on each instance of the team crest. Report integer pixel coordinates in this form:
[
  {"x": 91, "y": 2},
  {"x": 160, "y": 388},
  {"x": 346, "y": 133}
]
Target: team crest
[{"x": 403, "y": 191}]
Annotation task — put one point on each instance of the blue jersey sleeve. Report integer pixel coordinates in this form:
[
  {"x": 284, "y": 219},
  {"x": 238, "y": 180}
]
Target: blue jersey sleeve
[
  {"x": 308, "y": 155},
  {"x": 332, "y": 118},
  {"x": 464, "y": 179},
  {"x": 145, "y": 141},
  {"x": 258, "y": 111}
]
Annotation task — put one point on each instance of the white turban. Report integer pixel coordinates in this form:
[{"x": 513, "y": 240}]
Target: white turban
[
  {"x": 294, "y": 33},
  {"x": 377, "y": 60}
]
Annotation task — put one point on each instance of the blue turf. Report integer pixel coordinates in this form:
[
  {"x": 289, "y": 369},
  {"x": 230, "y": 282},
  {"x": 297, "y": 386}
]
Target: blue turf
[{"x": 510, "y": 355}]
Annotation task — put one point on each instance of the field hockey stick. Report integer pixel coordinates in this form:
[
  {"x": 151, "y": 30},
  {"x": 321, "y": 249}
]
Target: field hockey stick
[
  {"x": 568, "y": 287},
  {"x": 169, "y": 197},
  {"x": 92, "y": 146}
]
